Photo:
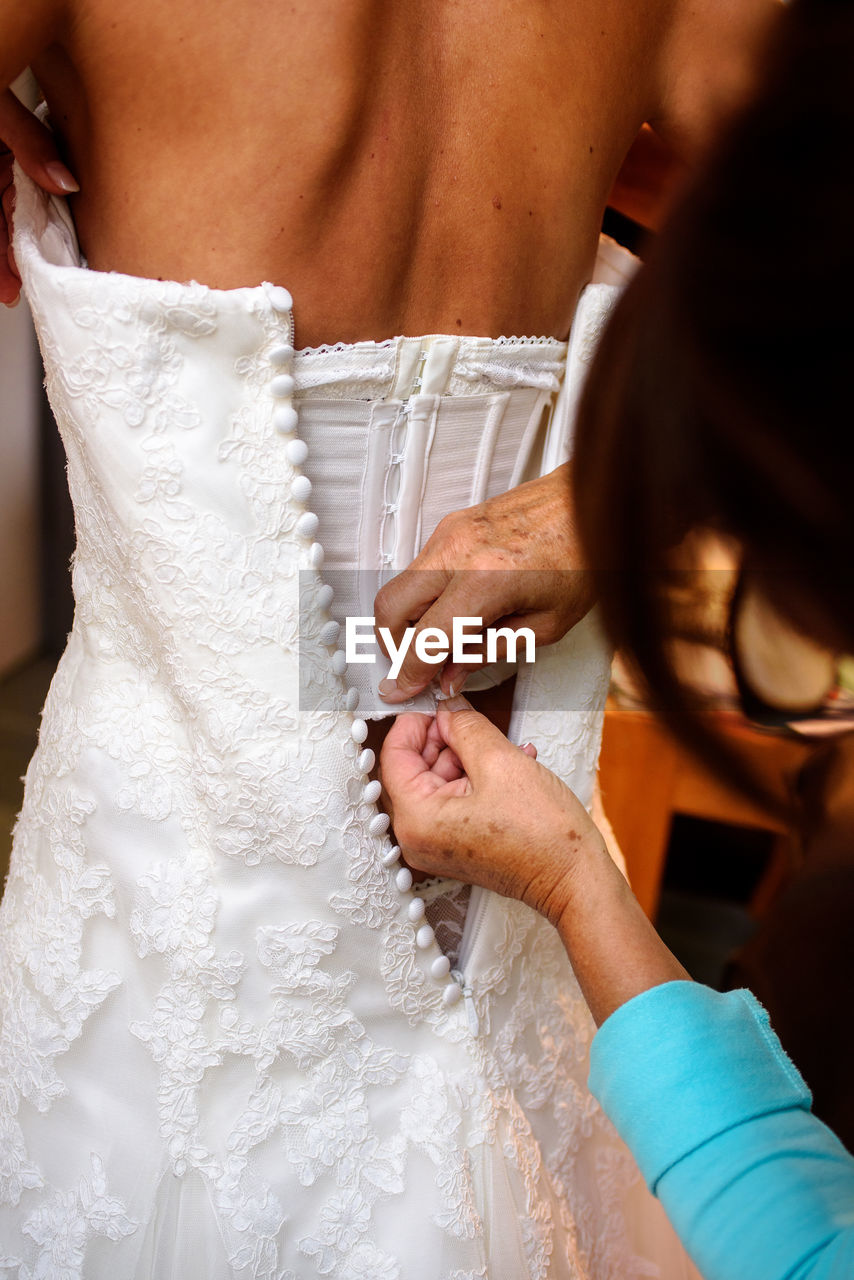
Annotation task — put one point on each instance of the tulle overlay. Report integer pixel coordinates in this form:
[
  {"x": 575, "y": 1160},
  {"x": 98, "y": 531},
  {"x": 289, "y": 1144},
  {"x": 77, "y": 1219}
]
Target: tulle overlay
[{"x": 226, "y": 1049}]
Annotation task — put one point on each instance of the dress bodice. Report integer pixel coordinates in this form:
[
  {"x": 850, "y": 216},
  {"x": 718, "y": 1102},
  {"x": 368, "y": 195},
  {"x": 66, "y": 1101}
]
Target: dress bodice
[
  {"x": 165, "y": 394},
  {"x": 207, "y": 944}
]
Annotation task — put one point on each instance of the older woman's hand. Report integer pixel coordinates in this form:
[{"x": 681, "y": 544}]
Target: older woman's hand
[
  {"x": 467, "y": 803},
  {"x": 512, "y": 561}
]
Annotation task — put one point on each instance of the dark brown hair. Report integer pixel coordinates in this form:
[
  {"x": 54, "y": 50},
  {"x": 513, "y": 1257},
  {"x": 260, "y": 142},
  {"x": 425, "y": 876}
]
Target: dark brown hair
[{"x": 720, "y": 397}]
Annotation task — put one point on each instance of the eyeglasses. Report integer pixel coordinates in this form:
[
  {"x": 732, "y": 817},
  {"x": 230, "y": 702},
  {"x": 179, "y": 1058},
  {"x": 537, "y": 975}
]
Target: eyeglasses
[{"x": 786, "y": 679}]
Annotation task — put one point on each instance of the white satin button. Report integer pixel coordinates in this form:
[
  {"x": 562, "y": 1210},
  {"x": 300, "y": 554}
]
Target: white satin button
[
  {"x": 424, "y": 937},
  {"x": 296, "y": 452},
  {"x": 329, "y": 633},
  {"x": 379, "y": 824},
  {"x": 280, "y": 298},
  {"x": 283, "y": 354},
  {"x": 403, "y": 879},
  {"x": 307, "y": 524},
  {"x": 285, "y": 419}
]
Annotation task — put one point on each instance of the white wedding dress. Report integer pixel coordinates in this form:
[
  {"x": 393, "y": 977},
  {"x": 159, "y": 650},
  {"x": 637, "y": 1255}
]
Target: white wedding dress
[{"x": 230, "y": 1046}]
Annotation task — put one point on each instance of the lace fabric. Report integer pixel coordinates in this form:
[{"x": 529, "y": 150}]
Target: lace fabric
[
  {"x": 372, "y": 370},
  {"x": 227, "y": 1047},
  {"x": 447, "y": 904}
]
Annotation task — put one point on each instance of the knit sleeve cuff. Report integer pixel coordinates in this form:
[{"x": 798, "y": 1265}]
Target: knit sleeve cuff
[{"x": 680, "y": 1064}]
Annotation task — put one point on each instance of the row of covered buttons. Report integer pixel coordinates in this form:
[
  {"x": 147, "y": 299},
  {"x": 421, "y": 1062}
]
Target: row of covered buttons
[
  {"x": 286, "y": 421},
  {"x": 378, "y": 826}
]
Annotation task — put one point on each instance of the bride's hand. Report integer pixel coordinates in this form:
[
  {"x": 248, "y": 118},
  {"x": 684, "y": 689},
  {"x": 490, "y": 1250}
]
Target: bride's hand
[
  {"x": 512, "y": 561},
  {"x": 468, "y": 804},
  {"x": 25, "y": 139}
]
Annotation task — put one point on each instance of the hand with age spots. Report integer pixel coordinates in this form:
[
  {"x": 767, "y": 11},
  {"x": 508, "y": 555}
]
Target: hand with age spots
[
  {"x": 512, "y": 561},
  {"x": 468, "y": 804}
]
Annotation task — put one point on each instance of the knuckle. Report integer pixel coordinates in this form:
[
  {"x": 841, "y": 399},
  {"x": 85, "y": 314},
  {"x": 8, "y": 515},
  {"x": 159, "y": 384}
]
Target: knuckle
[
  {"x": 483, "y": 564},
  {"x": 469, "y": 724},
  {"x": 410, "y": 679},
  {"x": 382, "y": 607},
  {"x": 451, "y": 520},
  {"x": 389, "y": 590},
  {"x": 447, "y": 531}
]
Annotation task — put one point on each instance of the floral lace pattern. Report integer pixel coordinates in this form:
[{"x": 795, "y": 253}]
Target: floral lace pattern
[{"x": 203, "y": 947}]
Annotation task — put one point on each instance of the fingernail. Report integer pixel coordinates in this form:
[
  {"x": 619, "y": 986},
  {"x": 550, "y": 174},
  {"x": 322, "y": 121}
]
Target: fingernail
[
  {"x": 63, "y": 177},
  {"x": 457, "y": 703},
  {"x": 526, "y": 745},
  {"x": 393, "y": 692},
  {"x": 457, "y": 684}
]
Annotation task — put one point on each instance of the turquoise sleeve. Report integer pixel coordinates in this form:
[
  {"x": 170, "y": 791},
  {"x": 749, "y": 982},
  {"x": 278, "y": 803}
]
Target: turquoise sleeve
[{"x": 718, "y": 1119}]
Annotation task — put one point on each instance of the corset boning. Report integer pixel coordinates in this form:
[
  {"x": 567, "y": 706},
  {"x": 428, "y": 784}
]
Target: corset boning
[{"x": 401, "y": 433}]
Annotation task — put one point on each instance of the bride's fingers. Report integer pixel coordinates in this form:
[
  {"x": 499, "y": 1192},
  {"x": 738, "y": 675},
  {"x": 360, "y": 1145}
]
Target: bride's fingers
[
  {"x": 10, "y": 281},
  {"x": 34, "y": 146},
  {"x": 530, "y": 750}
]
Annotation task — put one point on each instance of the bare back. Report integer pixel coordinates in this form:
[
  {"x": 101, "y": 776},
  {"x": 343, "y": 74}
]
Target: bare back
[{"x": 403, "y": 167}]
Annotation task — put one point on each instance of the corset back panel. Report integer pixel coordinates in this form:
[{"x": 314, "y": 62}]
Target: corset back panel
[{"x": 228, "y": 1048}]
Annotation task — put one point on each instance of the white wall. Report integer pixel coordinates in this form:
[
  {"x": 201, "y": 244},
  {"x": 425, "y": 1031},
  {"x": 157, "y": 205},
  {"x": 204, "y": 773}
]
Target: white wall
[{"x": 20, "y": 373}]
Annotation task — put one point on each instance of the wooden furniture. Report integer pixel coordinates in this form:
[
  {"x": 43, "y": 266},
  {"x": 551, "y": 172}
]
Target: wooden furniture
[{"x": 646, "y": 777}]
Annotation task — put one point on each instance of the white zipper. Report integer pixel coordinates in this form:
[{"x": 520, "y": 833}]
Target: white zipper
[
  {"x": 468, "y": 998},
  {"x": 472, "y": 926}
]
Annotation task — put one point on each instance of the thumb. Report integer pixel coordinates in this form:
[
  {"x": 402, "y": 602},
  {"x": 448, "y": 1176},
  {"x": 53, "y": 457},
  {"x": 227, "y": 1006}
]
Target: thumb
[{"x": 474, "y": 739}]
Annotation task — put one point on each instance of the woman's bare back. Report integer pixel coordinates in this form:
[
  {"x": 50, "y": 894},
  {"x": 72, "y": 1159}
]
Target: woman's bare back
[{"x": 403, "y": 168}]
